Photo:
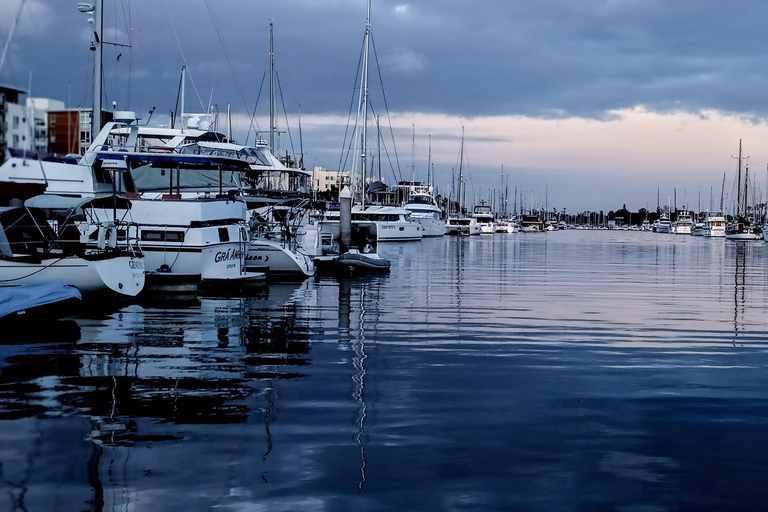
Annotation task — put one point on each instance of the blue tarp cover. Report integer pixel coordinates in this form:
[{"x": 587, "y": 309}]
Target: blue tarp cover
[{"x": 19, "y": 298}]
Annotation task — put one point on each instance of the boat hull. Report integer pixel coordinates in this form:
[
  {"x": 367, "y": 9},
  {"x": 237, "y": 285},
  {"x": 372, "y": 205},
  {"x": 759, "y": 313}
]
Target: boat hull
[
  {"x": 122, "y": 275},
  {"x": 270, "y": 257},
  {"x": 357, "y": 263},
  {"x": 430, "y": 227}
]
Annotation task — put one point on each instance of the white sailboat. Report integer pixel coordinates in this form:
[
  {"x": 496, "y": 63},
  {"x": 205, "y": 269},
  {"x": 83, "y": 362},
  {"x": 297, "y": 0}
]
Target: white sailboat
[
  {"x": 458, "y": 223},
  {"x": 31, "y": 252},
  {"x": 742, "y": 228},
  {"x": 388, "y": 223}
]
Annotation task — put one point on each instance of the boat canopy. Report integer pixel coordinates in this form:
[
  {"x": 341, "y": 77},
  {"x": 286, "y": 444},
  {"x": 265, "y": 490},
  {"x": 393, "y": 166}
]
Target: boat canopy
[
  {"x": 54, "y": 202},
  {"x": 185, "y": 161}
]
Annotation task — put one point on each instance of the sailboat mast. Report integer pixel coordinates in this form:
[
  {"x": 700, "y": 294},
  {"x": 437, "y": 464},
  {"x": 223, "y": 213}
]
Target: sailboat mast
[
  {"x": 413, "y": 153},
  {"x": 301, "y": 143},
  {"x": 429, "y": 165},
  {"x": 461, "y": 171},
  {"x": 98, "y": 20},
  {"x": 722, "y": 193},
  {"x": 738, "y": 188},
  {"x": 183, "y": 94},
  {"x": 499, "y": 207},
  {"x": 746, "y": 188},
  {"x": 378, "y": 144},
  {"x": 364, "y": 85},
  {"x": 272, "y": 126}
]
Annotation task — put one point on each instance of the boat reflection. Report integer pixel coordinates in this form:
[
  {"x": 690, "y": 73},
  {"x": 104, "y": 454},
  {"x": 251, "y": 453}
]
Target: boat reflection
[{"x": 148, "y": 380}]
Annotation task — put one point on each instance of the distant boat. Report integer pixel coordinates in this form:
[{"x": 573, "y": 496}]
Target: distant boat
[
  {"x": 423, "y": 208},
  {"x": 457, "y": 224},
  {"x": 505, "y": 226},
  {"x": 531, "y": 224},
  {"x": 742, "y": 228},
  {"x": 714, "y": 224},
  {"x": 684, "y": 223},
  {"x": 462, "y": 226},
  {"x": 664, "y": 225},
  {"x": 484, "y": 217}
]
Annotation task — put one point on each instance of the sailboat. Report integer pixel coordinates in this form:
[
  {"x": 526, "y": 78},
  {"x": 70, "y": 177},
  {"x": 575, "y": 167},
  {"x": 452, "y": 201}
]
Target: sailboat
[
  {"x": 742, "y": 227},
  {"x": 361, "y": 256},
  {"x": 419, "y": 200},
  {"x": 460, "y": 224},
  {"x": 387, "y": 223}
]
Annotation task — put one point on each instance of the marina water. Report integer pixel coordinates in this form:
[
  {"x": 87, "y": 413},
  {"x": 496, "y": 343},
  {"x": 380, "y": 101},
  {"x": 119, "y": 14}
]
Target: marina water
[{"x": 576, "y": 370}]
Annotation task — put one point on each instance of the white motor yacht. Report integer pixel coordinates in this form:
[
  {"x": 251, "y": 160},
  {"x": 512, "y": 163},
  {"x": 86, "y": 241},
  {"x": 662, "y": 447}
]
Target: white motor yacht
[
  {"x": 664, "y": 225},
  {"x": 462, "y": 226},
  {"x": 270, "y": 189},
  {"x": 505, "y": 226},
  {"x": 484, "y": 217},
  {"x": 684, "y": 223},
  {"x": 394, "y": 223},
  {"x": 424, "y": 209},
  {"x": 714, "y": 224},
  {"x": 531, "y": 224}
]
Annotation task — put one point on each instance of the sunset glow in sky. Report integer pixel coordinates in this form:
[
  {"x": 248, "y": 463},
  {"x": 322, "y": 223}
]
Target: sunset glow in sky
[{"x": 599, "y": 103}]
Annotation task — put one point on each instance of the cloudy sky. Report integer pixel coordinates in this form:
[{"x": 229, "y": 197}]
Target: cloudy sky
[{"x": 591, "y": 103}]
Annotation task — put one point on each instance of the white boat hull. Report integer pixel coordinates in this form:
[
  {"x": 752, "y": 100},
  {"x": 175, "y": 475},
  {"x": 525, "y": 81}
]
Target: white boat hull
[
  {"x": 270, "y": 257},
  {"x": 399, "y": 232},
  {"x": 430, "y": 227},
  {"x": 743, "y": 236},
  {"x": 123, "y": 275},
  {"x": 487, "y": 228}
]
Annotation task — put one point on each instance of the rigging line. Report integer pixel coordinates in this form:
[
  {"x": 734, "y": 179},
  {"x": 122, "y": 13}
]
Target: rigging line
[
  {"x": 226, "y": 53},
  {"x": 183, "y": 58},
  {"x": 285, "y": 114},
  {"x": 349, "y": 115},
  {"x": 253, "y": 115},
  {"x": 386, "y": 152},
  {"x": 10, "y": 35},
  {"x": 386, "y": 106}
]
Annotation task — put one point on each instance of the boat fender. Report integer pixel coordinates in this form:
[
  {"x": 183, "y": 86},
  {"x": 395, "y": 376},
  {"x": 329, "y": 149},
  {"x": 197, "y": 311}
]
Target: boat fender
[
  {"x": 112, "y": 236},
  {"x": 101, "y": 241}
]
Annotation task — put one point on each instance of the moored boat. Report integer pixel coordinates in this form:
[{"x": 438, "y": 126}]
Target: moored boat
[
  {"x": 31, "y": 252},
  {"x": 39, "y": 302},
  {"x": 484, "y": 217}
]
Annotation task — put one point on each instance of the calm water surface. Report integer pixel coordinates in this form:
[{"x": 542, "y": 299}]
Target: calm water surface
[{"x": 568, "y": 371}]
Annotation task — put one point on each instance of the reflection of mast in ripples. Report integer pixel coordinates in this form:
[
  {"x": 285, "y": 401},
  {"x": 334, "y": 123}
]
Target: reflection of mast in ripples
[
  {"x": 359, "y": 379},
  {"x": 739, "y": 287},
  {"x": 358, "y": 361},
  {"x": 460, "y": 247}
]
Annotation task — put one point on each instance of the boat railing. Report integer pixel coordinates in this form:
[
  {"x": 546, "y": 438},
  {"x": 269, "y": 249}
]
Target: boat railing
[{"x": 282, "y": 223}]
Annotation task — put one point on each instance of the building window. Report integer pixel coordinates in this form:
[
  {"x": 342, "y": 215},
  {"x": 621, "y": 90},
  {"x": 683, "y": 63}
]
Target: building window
[{"x": 15, "y": 121}]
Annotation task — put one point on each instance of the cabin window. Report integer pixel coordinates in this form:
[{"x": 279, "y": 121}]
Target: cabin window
[
  {"x": 223, "y": 235},
  {"x": 162, "y": 236}
]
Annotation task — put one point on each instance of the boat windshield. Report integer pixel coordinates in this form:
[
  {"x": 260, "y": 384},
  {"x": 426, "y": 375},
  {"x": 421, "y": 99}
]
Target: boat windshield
[{"x": 421, "y": 199}]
